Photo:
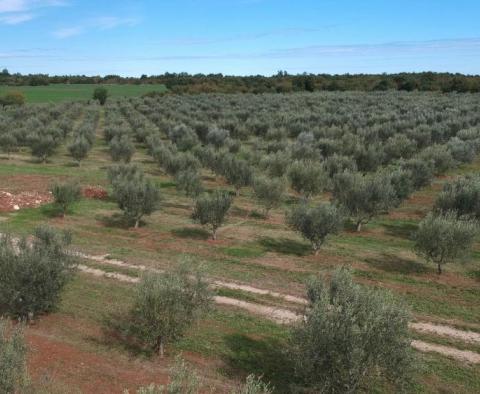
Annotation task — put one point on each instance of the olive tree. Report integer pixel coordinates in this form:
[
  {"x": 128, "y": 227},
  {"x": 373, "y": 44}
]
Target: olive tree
[
  {"x": 100, "y": 94},
  {"x": 189, "y": 182},
  {"x": 237, "y": 172},
  {"x": 442, "y": 239},
  {"x": 8, "y": 142},
  {"x": 33, "y": 273},
  {"x": 315, "y": 223},
  {"x": 269, "y": 192},
  {"x": 363, "y": 196},
  {"x": 350, "y": 335},
  {"x": 211, "y": 209},
  {"x": 65, "y": 194},
  {"x": 166, "y": 304},
  {"x": 121, "y": 148},
  {"x": 307, "y": 178},
  {"x": 136, "y": 196},
  {"x": 13, "y": 371},
  {"x": 461, "y": 196},
  {"x": 79, "y": 149}
]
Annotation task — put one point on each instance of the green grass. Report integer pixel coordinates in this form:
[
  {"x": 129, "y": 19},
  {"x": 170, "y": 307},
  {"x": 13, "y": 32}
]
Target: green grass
[{"x": 66, "y": 92}]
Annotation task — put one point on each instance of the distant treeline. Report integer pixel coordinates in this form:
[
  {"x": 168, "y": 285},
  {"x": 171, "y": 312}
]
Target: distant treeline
[{"x": 281, "y": 82}]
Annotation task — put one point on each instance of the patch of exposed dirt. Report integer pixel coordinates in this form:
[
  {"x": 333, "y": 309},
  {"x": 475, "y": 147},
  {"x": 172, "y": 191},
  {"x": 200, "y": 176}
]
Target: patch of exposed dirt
[
  {"x": 95, "y": 192},
  {"x": 87, "y": 371},
  {"x": 461, "y": 355},
  {"x": 28, "y": 199}
]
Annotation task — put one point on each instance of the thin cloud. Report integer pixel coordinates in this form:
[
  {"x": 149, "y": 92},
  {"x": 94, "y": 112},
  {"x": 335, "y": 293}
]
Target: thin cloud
[
  {"x": 15, "y": 19},
  {"x": 194, "y": 41},
  {"x": 14, "y": 12},
  {"x": 100, "y": 23}
]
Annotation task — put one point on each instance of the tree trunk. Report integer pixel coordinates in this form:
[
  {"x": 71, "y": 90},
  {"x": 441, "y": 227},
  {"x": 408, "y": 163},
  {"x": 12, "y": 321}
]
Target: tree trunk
[
  {"x": 359, "y": 226},
  {"x": 214, "y": 234},
  {"x": 137, "y": 223},
  {"x": 237, "y": 192},
  {"x": 160, "y": 347},
  {"x": 439, "y": 269}
]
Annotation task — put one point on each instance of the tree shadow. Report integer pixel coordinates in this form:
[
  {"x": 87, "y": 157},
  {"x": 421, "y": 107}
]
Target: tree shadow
[
  {"x": 285, "y": 246},
  {"x": 192, "y": 233},
  {"x": 237, "y": 211},
  {"x": 263, "y": 357},
  {"x": 400, "y": 229},
  {"x": 117, "y": 220},
  {"x": 52, "y": 210},
  {"x": 395, "y": 264}
]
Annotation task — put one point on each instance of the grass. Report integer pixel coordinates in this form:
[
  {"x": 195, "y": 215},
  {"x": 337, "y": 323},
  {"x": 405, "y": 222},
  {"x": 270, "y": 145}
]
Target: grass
[
  {"x": 68, "y": 92},
  {"x": 251, "y": 249}
]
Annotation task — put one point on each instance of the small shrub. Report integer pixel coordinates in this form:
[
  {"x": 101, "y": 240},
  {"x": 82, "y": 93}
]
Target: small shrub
[{"x": 65, "y": 194}]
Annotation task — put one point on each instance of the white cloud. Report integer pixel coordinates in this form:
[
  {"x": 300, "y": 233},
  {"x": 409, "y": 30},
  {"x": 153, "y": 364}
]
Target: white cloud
[
  {"x": 14, "y": 12},
  {"x": 100, "y": 23},
  {"x": 15, "y": 19},
  {"x": 68, "y": 32}
]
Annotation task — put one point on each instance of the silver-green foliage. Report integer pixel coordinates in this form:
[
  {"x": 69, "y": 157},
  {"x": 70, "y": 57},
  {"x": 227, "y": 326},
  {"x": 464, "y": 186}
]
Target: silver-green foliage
[
  {"x": 65, "y": 194},
  {"x": 316, "y": 223},
  {"x": 13, "y": 372},
  {"x": 307, "y": 178},
  {"x": 34, "y": 272},
  {"x": 364, "y": 196},
  {"x": 166, "y": 305},
  {"x": 269, "y": 192},
  {"x": 350, "y": 336},
  {"x": 444, "y": 238},
  {"x": 136, "y": 196},
  {"x": 211, "y": 209}
]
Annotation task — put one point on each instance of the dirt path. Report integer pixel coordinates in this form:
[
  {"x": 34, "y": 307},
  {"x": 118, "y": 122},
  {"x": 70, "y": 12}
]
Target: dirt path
[
  {"x": 461, "y": 355},
  {"x": 285, "y": 316},
  {"x": 103, "y": 259},
  {"x": 446, "y": 331}
]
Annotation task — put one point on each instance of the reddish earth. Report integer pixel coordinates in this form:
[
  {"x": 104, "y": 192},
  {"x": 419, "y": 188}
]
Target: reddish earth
[
  {"x": 13, "y": 202},
  {"x": 72, "y": 365},
  {"x": 95, "y": 192}
]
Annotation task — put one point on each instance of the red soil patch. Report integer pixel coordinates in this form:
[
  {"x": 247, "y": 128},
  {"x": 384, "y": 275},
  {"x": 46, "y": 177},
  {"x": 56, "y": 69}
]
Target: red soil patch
[
  {"x": 13, "y": 202},
  {"x": 89, "y": 372},
  {"x": 95, "y": 192}
]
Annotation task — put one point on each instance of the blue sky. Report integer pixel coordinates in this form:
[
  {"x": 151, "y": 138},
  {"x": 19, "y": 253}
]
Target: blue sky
[{"x": 242, "y": 37}]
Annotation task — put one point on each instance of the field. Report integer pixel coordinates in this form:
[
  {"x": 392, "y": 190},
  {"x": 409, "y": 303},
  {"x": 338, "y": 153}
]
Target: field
[
  {"x": 55, "y": 93},
  {"x": 69, "y": 349}
]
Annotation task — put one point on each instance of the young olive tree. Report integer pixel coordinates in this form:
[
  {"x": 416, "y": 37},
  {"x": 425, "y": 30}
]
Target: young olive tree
[
  {"x": 79, "y": 149},
  {"x": 211, "y": 209},
  {"x": 269, "y": 192},
  {"x": 461, "y": 196},
  {"x": 121, "y": 148},
  {"x": 350, "y": 335},
  {"x": 13, "y": 371},
  {"x": 33, "y": 273},
  {"x": 136, "y": 196},
  {"x": 237, "y": 172},
  {"x": 315, "y": 223},
  {"x": 166, "y": 305},
  {"x": 307, "y": 178},
  {"x": 189, "y": 182},
  {"x": 65, "y": 194},
  {"x": 362, "y": 196},
  {"x": 8, "y": 143},
  {"x": 442, "y": 239}
]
